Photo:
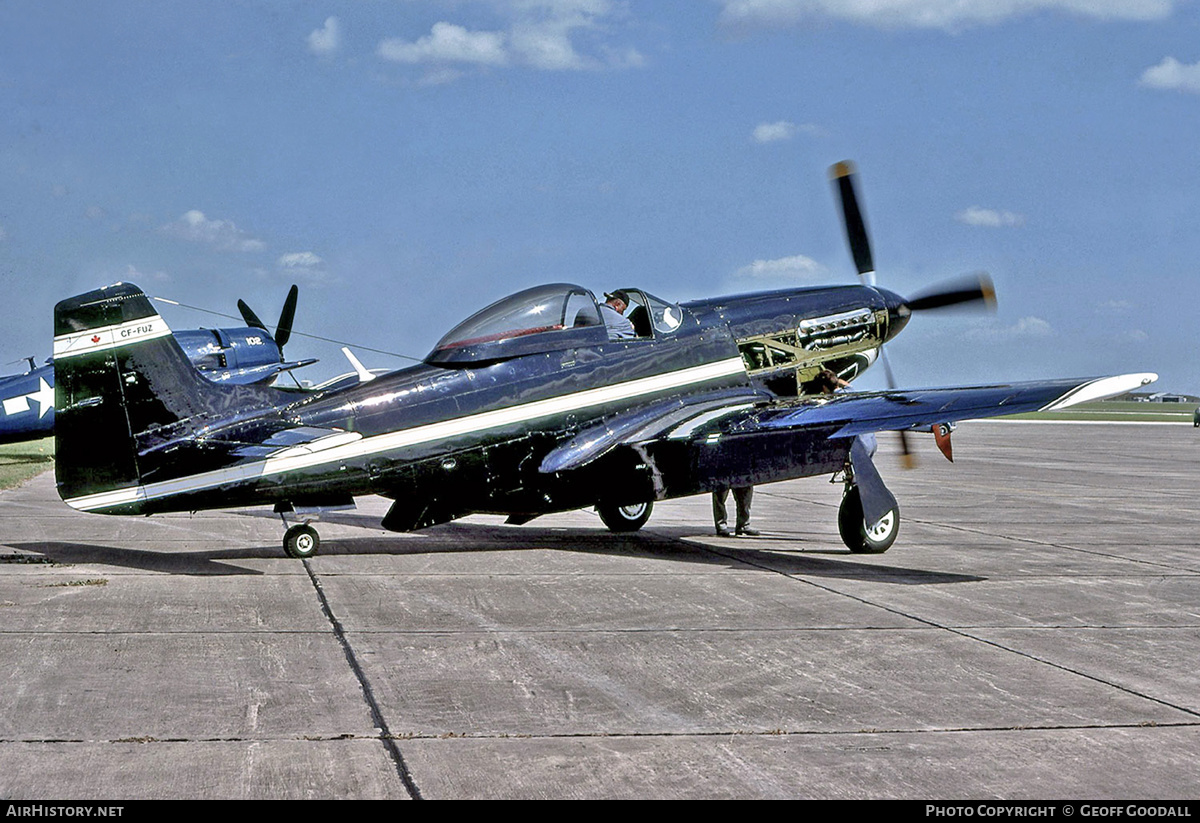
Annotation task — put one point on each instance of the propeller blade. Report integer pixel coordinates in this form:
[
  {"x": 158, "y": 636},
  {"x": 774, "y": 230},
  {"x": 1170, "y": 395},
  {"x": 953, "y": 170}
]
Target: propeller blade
[
  {"x": 283, "y": 331},
  {"x": 887, "y": 369},
  {"x": 852, "y": 217},
  {"x": 908, "y": 460},
  {"x": 250, "y": 317},
  {"x": 972, "y": 289}
]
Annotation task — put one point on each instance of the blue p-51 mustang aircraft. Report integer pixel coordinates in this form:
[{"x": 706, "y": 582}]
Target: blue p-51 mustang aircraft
[
  {"x": 250, "y": 354},
  {"x": 525, "y": 408}
]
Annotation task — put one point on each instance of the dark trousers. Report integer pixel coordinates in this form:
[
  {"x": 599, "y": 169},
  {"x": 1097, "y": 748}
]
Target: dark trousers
[{"x": 741, "y": 499}]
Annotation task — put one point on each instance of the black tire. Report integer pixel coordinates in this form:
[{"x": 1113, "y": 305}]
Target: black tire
[
  {"x": 301, "y": 542},
  {"x": 624, "y": 518},
  {"x": 855, "y": 534}
]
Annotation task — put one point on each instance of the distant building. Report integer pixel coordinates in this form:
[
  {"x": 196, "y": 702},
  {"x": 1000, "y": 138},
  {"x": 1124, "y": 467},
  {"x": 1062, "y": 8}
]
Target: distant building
[{"x": 1157, "y": 397}]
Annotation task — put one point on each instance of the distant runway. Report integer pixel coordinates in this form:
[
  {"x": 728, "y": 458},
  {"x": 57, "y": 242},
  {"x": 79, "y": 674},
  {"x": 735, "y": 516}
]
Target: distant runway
[{"x": 1034, "y": 633}]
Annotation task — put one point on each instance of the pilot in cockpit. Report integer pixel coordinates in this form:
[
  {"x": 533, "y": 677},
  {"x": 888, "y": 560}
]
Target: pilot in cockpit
[{"x": 613, "y": 312}]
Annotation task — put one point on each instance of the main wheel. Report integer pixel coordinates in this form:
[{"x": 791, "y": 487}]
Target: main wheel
[
  {"x": 624, "y": 518},
  {"x": 301, "y": 541},
  {"x": 858, "y": 538}
]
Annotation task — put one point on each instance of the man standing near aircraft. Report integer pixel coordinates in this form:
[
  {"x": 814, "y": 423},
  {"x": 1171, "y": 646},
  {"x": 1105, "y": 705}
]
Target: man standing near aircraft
[
  {"x": 826, "y": 382},
  {"x": 613, "y": 312},
  {"x": 741, "y": 499}
]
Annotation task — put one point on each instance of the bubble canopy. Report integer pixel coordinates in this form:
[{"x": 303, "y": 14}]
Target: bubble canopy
[{"x": 543, "y": 318}]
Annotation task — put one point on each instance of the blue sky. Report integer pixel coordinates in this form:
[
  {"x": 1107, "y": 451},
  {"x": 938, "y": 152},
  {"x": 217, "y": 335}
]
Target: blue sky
[{"x": 407, "y": 162}]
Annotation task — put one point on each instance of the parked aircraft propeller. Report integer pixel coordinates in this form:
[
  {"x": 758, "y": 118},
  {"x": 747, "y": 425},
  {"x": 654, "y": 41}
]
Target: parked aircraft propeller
[
  {"x": 972, "y": 288},
  {"x": 964, "y": 291},
  {"x": 283, "y": 329},
  {"x": 852, "y": 219}
]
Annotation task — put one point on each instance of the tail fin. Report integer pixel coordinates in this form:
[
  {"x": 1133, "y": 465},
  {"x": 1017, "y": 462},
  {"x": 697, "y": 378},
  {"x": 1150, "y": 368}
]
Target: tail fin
[{"x": 123, "y": 388}]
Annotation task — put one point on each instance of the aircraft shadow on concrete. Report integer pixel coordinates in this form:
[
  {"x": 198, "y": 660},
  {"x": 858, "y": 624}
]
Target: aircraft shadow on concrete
[
  {"x": 678, "y": 545},
  {"x": 682, "y": 545},
  {"x": 197, "y": 563}
]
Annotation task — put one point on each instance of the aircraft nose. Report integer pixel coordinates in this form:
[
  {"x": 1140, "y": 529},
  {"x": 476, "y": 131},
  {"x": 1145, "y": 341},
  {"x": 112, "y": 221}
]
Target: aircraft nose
[{"x": 898, "y": 312}]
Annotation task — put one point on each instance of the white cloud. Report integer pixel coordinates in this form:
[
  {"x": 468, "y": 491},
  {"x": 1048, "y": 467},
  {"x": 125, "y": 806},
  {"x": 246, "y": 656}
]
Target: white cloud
[
  {"x": 989, "y": 218},
  {"x": 325, "y": 40},
  {"x": 546, "y": 47},
  {"x": 1025, "y": 328},
  {"x": 304, "y": 266},
  {"x": 622, "y": 58},
  {"x": 300, "y": 260},
  {"x": 784, "y": 130},
  {"x": 1172, "y": 75},
  {"x": 1032, "y": 327},
  {"x": 221, "y": 234},
  {"x": 447, "y": 42},
  {"x": 797, "y": 267},
  {"x": 771, "y": 132},
  {"x": 949, "y": 15},
  {"x": 441, "y": 77},
  {"x": 135, "y": 275},
  {"x": 538, "y": 34}
]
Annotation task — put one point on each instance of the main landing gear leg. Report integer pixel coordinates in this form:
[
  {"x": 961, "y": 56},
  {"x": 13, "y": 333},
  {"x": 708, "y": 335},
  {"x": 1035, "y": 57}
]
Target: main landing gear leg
[{"x": 852, "y": 526}]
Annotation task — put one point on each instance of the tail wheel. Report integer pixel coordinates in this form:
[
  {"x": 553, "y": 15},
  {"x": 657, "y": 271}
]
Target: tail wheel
[
  {"x": 858, "y": 538},
  {"x": 624, "y": 518},
  {"x": 301, "y": 542}
]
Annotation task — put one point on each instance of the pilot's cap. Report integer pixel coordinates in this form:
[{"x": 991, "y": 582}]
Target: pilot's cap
[{"x": 620, "y": 294}]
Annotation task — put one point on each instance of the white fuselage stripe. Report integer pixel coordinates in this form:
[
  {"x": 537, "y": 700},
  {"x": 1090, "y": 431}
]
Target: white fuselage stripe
[
  {"x": 110, "y": 337},
  {"x": 298, "y": 457}
]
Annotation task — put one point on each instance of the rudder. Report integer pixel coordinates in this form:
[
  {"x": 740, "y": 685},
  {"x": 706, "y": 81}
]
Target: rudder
[{"x": 121, "y": 379}]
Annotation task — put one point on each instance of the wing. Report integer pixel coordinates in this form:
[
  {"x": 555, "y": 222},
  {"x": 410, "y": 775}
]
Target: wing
[
  {"x": 737, "y": 437},
  {"x": 867, "y": 412}
]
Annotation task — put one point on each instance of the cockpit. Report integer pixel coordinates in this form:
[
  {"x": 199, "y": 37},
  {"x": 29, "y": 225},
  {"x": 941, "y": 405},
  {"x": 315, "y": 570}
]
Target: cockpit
[
  {"x": 651, "y": 316},
  {"x": 548, "y": 318}
]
